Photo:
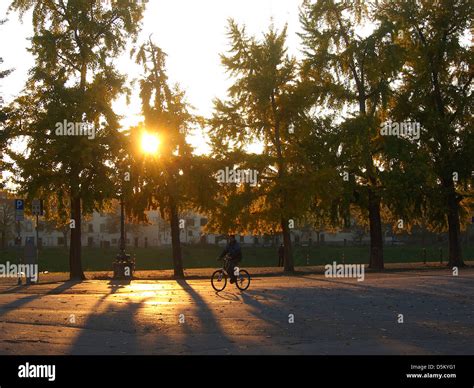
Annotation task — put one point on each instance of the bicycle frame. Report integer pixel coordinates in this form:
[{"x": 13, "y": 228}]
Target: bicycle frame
[{"x": 226, "y": 260}]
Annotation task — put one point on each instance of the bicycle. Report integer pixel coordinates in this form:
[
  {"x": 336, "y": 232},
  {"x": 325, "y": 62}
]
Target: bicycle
[{"x": 219, "y": 277}]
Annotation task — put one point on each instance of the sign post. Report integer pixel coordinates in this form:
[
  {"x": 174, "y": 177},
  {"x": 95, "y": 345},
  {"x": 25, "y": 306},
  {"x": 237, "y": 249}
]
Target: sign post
[
  {"x": 37, "y": 210},
  {"x": 19, "y": 216}
]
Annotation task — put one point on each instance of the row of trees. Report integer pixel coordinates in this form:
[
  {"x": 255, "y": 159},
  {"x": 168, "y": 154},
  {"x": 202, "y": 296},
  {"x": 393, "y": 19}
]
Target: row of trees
[
  {"x": 324, "y": 160},
  {"x": 319, "y": 120}
]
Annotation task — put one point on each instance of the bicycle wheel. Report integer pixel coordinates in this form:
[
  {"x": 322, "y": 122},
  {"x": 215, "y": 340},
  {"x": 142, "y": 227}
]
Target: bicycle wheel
[
  {"x": 243, "y": 280},
  {"x": 219, "y": 280}
]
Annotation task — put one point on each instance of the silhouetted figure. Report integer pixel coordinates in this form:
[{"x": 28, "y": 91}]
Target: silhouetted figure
[{"x": 281, "y": 255}]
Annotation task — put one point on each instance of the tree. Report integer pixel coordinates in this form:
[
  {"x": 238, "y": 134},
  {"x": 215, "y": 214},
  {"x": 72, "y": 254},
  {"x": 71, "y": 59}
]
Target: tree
[
  {"x": 171, "y": 179},
  {"x": 436, "y": 92},
  {"x": 264, "y": 104},
  {"x": 73, "y": 80},
  {"x": 352, "y": 75}
]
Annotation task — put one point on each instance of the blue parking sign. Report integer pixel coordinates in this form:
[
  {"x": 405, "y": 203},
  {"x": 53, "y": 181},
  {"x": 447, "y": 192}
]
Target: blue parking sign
[{"x": 19, "y": 209}]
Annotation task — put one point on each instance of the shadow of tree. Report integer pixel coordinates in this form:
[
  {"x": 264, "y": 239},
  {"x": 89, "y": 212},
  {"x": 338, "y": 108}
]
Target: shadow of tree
[
  {"x": 370, "y": 314},
  {"x": 207, "y": 323},
  {"x": 21, "y": 302}
]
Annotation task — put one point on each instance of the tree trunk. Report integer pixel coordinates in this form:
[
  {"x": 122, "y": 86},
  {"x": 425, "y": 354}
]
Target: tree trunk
[
  {"x": 175, "y": 242},
  {"x": 288, "y": 259},
  {"x": 75, "y": 262},
  {"x": 376, "y": 240},
  {"x": 454, "y": 227}
]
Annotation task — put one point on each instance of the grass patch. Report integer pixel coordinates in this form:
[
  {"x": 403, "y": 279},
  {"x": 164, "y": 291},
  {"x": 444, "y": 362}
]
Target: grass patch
[{"x": 204, "y": 256}]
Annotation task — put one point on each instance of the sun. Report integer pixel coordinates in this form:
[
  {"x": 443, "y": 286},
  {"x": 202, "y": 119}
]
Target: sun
[{"x": 150, "y": 143}]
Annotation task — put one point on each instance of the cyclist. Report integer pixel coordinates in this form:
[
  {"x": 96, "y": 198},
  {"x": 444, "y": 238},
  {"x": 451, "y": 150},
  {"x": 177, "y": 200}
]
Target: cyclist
[{"x": 235, "y": 256}]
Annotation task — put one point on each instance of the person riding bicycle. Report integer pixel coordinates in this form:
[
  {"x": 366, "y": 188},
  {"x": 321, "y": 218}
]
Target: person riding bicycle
[{"x": 235, "y": 256}]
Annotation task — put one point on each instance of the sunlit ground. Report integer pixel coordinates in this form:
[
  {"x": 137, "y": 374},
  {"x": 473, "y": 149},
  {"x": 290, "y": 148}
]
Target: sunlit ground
[{"x": 307, "y": 314}]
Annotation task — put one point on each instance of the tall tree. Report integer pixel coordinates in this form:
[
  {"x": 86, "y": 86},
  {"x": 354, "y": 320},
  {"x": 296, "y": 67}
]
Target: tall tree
[
  {"x": 352, "y": 72},
  {"x": 264, "y": 105},
  {"x": 73, "y": 79},
  {"x": 171, "y": 179},
  {"x": 436, "y": 91}
]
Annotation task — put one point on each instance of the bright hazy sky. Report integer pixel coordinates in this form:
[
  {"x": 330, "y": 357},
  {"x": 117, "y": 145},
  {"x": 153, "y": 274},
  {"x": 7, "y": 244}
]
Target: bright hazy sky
[{"x": 191, "y": 32}]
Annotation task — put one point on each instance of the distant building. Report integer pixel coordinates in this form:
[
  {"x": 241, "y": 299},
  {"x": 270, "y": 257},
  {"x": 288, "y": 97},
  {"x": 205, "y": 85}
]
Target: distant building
[{"x": 103, "y": 230}]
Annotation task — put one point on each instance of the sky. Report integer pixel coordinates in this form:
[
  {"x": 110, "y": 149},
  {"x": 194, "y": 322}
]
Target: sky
[{"x": 191, "y": 32}]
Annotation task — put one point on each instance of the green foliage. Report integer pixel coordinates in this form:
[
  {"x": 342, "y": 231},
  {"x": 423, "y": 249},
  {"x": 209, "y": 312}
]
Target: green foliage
[
  {"x": 436, "y": 90},
  {"x": 264, "y": 102},
  {"x": 73, "y": 79},
  {"x": 174, "y": 175}
]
